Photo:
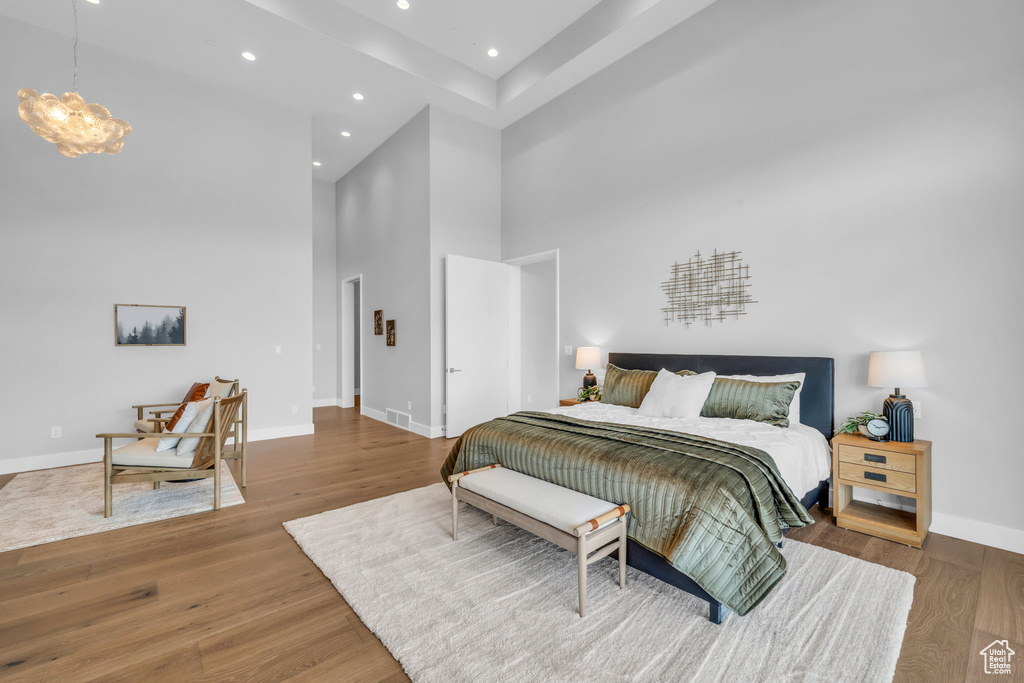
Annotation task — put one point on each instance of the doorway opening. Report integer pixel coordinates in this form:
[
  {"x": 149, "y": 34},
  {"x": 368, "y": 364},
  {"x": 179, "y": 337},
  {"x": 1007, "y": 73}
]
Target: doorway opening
[
  {"x": 535, "y": 363},
  {"x": 350, "y": 367}
]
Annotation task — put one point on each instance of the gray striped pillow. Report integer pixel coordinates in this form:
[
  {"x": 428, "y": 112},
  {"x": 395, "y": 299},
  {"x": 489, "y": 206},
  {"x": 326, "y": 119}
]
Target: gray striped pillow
[
  {"x": 743, "y": 400},
  {"x": 628, "y": 387}
]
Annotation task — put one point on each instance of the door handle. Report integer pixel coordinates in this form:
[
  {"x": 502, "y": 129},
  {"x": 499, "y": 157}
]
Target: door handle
[{"x": 453, "y": 370}]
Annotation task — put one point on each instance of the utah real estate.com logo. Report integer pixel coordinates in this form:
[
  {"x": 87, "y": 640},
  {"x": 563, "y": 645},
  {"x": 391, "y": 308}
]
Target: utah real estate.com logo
[{"x": 997, "y": 657}]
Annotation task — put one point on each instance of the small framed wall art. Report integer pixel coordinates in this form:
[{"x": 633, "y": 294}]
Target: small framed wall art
[
  {"x": 391, "y": 333},
  {"x": 378, "y": 322},
  {"x": 148, "y": 325}
]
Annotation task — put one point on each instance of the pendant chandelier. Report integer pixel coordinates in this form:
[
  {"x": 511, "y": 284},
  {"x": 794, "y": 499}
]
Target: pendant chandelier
[{"x": 76, "y": 127}]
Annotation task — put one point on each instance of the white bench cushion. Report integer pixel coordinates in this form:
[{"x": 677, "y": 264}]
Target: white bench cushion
[
  {"x": 144, "y": 454},
  {"x": 559, "y": 507}
]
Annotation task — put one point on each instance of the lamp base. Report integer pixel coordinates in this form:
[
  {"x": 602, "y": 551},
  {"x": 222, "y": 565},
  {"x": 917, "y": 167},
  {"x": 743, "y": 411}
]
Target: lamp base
[
  {"x": 589, "y": 380},
  {"x": 899, "y": 411}
]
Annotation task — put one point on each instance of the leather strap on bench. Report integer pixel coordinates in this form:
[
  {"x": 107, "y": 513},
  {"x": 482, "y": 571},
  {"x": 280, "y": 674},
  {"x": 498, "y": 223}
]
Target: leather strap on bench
[
  {"x": 459, "y": 475},
  {"x": 587, "y": 527}
]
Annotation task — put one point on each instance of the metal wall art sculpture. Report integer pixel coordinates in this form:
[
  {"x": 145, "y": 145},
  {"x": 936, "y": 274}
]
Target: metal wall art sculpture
[{"x": 707, "y": 289}]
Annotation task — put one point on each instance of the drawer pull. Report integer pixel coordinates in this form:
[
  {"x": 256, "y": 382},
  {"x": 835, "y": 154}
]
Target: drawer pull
[
  {"x": 874, "y": 476},
  {"x": 871, "y": 457}
]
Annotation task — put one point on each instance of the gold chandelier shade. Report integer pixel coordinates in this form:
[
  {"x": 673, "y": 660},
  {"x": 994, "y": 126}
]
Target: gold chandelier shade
[{"x": 76, "y": 127}]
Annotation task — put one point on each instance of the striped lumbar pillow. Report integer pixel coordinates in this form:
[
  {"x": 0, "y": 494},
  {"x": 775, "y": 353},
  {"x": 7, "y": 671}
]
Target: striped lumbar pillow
[
  {"x": 744, "y": 400},
  {"x": 628, "y": 387}
]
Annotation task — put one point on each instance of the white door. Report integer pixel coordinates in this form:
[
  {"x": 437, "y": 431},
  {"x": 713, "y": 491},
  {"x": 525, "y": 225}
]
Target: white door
[{"x": 476, "y": 342}]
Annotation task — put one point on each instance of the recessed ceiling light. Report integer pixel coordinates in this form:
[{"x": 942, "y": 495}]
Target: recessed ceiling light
[
  {"x": 317, "y": 163},
  {"x": 345, "y": 134},
  {"x": 357, "y": 96},
  {"x": 403, "y": 4},
  {"x": 492, "y": 52},
  {"x": 94, "y": 2},
  {"x": 250, "y": 56}
]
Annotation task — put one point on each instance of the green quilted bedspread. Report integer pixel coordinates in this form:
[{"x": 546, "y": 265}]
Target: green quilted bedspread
[{"x": 713, "y": 509}]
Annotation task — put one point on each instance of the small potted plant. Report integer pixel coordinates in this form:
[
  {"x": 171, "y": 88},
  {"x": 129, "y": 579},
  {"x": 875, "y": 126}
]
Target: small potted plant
[
  {"x": 588, "y": 394},
  {"x": 858, "y": 423}
]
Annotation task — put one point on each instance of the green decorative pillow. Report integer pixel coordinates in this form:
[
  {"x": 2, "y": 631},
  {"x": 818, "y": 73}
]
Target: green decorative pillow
[
  {"x": 628, "y": 387},
  {"x": 743, "y": 400}
]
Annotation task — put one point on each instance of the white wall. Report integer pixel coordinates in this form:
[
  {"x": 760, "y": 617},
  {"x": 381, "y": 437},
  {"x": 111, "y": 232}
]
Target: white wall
[
  {"x": 325, "y": 294},
  {"x": 866, "y": 158},
  {"x": 465, "y": 218},
  {"x": 383, "y": 209},
  {"x": 538, "y": 330},
  {"x": 208, "y": 206},
  {"x": 431, "y": 189}
]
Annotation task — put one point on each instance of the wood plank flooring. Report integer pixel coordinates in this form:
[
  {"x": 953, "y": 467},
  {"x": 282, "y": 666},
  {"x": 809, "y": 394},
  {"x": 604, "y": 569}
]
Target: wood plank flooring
[{"x": 228, "y": 595}]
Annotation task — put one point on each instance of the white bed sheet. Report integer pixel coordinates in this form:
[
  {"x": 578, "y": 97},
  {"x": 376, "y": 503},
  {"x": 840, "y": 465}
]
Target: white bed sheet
[{"x": 801, "y": 453}]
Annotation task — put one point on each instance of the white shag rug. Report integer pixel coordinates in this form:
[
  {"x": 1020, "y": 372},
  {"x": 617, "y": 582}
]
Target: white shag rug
[
  {"x": 65, "y": 502},
  {"x": 500, "y": 605}
]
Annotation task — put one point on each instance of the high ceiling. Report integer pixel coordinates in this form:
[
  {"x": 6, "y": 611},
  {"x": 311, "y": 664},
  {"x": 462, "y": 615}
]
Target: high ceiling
[
  {"x": 465, "y": 29},
  {"x": 313, "y": 55}
]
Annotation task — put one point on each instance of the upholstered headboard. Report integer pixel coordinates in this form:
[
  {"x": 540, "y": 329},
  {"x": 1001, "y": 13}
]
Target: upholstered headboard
[{"x": 817, "y": 398}]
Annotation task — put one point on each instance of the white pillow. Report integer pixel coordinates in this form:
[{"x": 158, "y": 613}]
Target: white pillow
[
  {"x": 794, "y": 405},
  {"x": 187, "y": 415},
  {"x": 218, "y": 389},
  {"x": 204, "y": 410},
  {"x": 675, "y": 396}
]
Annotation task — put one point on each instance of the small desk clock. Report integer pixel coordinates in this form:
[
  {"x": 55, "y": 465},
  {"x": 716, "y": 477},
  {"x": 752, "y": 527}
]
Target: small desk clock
[{"x": 877, "y": 429}]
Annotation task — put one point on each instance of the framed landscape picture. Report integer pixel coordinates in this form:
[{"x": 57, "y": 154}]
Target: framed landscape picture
[{"x": 145, "y": 325}]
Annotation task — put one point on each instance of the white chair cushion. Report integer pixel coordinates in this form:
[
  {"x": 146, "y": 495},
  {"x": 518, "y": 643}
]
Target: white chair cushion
[
  {"x": 187, "y": 416},
  {"x": 204, "y": 409},
  {"x": 145, "y": 426},
  {"x": 559, "y": 507},
  {"x": 674, "y": 396},
  {"x": 144, "y": 454},
  {"x": 219, "y": 389}
]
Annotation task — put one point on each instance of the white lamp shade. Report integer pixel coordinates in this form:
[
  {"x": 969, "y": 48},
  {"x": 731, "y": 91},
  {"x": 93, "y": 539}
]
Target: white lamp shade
[
  {"x": 903, "y": 369},
  {"x": 588, "y": 357}
]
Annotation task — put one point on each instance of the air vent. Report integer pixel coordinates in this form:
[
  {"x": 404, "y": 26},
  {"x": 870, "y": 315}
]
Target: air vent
[{"x": 402, "y": 420}]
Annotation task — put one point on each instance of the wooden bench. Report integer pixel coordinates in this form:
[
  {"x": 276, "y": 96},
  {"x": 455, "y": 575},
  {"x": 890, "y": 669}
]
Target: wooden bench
[{"x": 590, "y": 527}]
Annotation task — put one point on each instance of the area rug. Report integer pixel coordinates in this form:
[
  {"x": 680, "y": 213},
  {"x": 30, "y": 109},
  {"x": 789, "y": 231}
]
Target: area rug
[
  {"x": 64, "y": 502},
  {"x": 500, "y": 605}
]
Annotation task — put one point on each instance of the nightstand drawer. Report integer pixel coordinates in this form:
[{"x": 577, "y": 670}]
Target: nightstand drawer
[
  {"x": 877, "y": 458},
  {"x": 859, "y": 475}
]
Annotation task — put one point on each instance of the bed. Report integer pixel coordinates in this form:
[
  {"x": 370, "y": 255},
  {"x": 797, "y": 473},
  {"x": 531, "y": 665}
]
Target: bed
[{"x": 729, "y": 501}]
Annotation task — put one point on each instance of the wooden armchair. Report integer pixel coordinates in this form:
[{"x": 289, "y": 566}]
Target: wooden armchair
[
  {"x": 140, "y": 461},
  {"x": 225, "y": 388}
]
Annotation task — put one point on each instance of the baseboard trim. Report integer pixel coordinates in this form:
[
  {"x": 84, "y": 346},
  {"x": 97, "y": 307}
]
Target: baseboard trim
[
  {"x": 90, "y": 455},
  {"x": 281, "y": 432},
  {"x": 1002, "y": 537},
  {"x": 324, "y": 402},
  {"x": 375, "y": 414},
  {"x": 414, "y": 427},
  {"x": 424, "y": 430}
]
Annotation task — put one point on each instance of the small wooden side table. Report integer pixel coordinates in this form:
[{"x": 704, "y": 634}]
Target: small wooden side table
[
  {"x": 572, "y": 402},
  {"x": 902, "y": 469}
]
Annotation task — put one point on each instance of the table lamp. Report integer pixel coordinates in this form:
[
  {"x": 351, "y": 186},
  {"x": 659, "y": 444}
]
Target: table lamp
[
  {"x": 588, "y": 357},
  {"x": 897, "y": 369}
]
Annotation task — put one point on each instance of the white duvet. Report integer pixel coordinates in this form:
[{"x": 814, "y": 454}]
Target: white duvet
[{"x": 800, "y": 452}]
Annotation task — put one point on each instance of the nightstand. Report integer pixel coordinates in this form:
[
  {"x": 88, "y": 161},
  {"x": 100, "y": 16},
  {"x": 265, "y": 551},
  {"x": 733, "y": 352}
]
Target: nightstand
[
  {"x": 572, "y": 402},
  {"x": 902, "y": 469}
]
